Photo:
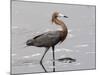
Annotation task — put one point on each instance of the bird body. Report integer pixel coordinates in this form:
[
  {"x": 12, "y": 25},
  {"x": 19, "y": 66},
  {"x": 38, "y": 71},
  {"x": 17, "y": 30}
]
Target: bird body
[
  {"x": 51, "y": 38},
  {"x": 47, "y": 39}
]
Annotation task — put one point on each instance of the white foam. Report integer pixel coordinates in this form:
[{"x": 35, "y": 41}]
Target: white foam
[
  {"x": 26, "y": 56},
  {"x": 82, "y": 45},
  {"x": 63, "y": 49},
  {"x": 33, "y": 55},
  {"x": 62, "y": 56}
]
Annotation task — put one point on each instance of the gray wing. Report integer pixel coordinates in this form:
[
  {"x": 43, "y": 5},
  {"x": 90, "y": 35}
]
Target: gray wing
[{"x": 47, "y": 39}]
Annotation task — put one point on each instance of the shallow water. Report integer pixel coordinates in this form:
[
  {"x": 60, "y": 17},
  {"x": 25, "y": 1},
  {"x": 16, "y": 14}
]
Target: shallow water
[{"x": 27, "y": 22}]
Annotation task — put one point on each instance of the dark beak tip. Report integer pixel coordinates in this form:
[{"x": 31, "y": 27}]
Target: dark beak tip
[{"x": 66, "y": 16}]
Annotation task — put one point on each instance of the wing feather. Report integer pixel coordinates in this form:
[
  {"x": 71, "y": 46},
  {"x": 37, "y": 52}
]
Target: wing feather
[
  {"x": 38, "y": 36},
  {"x": 47, "y": 39}
]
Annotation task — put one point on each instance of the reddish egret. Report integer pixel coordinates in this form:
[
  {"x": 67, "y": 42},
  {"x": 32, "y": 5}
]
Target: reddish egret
[{"x": 51, "y": 38}]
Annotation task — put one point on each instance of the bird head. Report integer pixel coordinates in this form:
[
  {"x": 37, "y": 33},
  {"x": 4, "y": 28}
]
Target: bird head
[{"x": 57, "y": 15}]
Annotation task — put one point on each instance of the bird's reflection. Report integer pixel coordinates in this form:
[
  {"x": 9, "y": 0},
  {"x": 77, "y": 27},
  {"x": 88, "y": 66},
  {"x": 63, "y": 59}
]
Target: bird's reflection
[{"x": 66, "y": 60}]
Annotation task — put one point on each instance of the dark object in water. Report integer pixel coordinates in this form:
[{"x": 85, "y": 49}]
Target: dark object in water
[{"x": 67, "y": 60}]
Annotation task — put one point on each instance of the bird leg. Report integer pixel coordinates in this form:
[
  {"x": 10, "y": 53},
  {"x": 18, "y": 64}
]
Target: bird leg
[
  {"x": 53, "y": 59},
  {"x": 42, "y": 59},
  {"x": 43, "y": 66}
]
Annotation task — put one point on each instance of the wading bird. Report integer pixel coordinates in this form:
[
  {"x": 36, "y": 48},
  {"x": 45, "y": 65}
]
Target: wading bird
[{"x": 51, "y": 38}]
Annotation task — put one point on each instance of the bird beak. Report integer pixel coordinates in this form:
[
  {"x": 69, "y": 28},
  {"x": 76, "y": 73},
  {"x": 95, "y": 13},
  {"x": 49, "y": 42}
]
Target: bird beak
[
  {"x": 61, "y": 15},
  {"x": 66, "y": 16}
]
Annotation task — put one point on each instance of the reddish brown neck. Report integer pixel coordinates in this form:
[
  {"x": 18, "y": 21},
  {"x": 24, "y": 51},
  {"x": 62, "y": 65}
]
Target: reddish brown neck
[{"x": 64, "y": 31}]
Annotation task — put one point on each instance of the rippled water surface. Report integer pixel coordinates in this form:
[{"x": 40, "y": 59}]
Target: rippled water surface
[{"x": 30, "y": 19}]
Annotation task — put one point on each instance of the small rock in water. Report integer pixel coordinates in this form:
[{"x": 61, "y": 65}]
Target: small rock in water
[{"x": 66, "y": 60}]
